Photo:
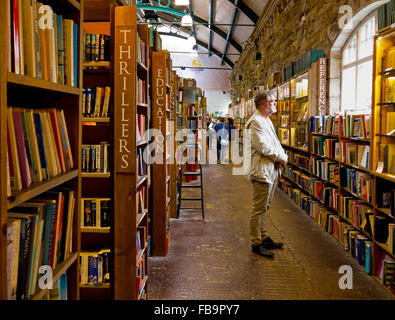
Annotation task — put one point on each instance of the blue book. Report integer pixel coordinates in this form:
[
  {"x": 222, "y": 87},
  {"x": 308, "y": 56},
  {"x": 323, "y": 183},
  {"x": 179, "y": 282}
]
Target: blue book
[
  {"x": 368, "y": 257},
  {"x": 41, "y": 147},
  {"x": 361, "y": 249},
  {"x": 62, "y": 283},
  {"x": 59, "y": 28},
  {"x": 75, "y": 39},
  {"x": 92, "y": 270}
]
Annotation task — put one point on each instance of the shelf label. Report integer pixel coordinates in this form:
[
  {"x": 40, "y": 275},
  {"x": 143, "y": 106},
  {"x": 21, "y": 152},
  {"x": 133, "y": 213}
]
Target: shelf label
[
  {"x": 123, "y": 89},
  {"x": 322, "y": 90}
]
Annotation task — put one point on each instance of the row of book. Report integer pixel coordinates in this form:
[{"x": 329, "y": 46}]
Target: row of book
[
  {"x": 359, "y": 183},
  {"x": 96, "y": 47},
  {"x": 358, "y": 212},
  {"x": 95, "y": 212},
  {"x": 283, "y": 106},
  {"x": 40, "y": 43},
  {"x": 142, "y": 96},
  {"x": 283, "y": 121},
  {"x": 141, "y": 200},
  {"x": 141, "y": 51},
  {"x": 38, "y": 146},
  {"x": 347, "y": 125},
  {"x": 95, "y": 267},
  {"x": 324, "y": 193},
  {"x": 356, "y": 154},
  {"x": 39, "y": 233},
  {"x": 325, "y": 169},
  {"x": 95, "y": 102},
  {"x": 326, "y": 147},
  {"x": 140, "y": 127},
  {"x": 386, "y": 163},
  {"x": 95, "y": 158},
  {"x": 299, "y": 136}
]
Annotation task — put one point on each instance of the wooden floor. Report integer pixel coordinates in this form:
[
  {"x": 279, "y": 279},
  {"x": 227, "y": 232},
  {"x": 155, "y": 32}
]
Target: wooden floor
[{"x": 212, "y": 259}]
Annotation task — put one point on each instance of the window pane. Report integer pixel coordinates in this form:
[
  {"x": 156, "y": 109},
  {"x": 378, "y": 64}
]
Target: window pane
[
  {"x": 366, "y": 37},
  {"x": 364, "y": 86},
  {"x": 350, "y": 52},
  {"x": 348, "y": 89}
]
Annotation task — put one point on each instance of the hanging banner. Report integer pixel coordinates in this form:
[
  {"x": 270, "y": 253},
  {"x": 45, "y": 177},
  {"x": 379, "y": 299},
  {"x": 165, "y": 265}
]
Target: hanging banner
[{"x": 322, "y": 89}]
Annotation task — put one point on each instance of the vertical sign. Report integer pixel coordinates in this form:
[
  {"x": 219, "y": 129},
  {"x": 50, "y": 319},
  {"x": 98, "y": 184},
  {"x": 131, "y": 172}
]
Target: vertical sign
[
  {"x": 124, "y": 93},
  {"x": 322, "y": 90}
]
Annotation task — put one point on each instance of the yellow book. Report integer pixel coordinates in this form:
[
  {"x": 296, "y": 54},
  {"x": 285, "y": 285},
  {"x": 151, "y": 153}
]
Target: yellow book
[
  {"x": 49, "y": 151},
  {"x": 29, "y": 42},
  {"x": 43, "y": 45},
  {"x": 106, "y": 102},
  {"x": 53, "y": 143},
  {"x": 62, "y": 122},
  {"x": 69, "y": 229},
  {"x": 99, "y": 91},
  {"x": 56, "y": 240},
  {"x": 390, "y": 122},
  {"x": 68, "y": 52}
]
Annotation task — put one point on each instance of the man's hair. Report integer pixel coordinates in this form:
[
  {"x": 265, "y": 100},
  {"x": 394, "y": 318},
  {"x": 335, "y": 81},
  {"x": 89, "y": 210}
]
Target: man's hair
[{"x": 261, "y": 97}]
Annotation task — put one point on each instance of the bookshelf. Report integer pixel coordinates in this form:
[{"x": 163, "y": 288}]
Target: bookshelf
[
  {"x": 173, "y": 118},
  {"x": 25, "y": 90},
  {"x": 161, "y": 115},
  {"x": 131, "y": 174},
  {"x": 97, "y": 215},
  {"x": 335, "y": 179},
  {"x": 283, "y": 110}
]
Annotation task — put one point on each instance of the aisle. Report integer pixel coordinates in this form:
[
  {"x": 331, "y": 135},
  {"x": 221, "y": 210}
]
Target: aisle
[{"x": 212, "y": 259}]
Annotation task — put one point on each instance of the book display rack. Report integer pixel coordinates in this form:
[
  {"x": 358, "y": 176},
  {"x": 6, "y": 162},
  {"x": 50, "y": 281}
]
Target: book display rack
[{"x": 40, "y": 185}]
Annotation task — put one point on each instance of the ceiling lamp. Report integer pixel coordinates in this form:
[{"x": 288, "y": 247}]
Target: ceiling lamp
[
  {"x": 182, "y": 2},
  {"x": 186, "y": 20}
]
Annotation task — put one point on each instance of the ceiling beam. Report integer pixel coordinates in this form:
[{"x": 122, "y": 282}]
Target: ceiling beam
[
  {"x": 246, "y": 10},
  {"x": 211, "y": 21},
  {"x": 215, "y": 29},
  {"x": 230, "y": 30},
  {"x": 193, "y": 25},
  {"x": 202, "y": 44}
]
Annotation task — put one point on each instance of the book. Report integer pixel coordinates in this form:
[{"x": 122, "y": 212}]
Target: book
[
  {"x": 29, "y": 37},
  {"x": 15, "y": 172},
  {"x": 13, "y": 247}
]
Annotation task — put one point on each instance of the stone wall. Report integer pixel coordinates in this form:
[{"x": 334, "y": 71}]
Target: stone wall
[{"x": 292, "y": 29}]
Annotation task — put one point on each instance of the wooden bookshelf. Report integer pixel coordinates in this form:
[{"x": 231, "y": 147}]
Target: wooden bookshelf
[
  {"x": 128, "y": 178},
  {"x": 21, "y": 90},
  {"x": 161, "y": 117},
  {"x": 98, "y": 185}
]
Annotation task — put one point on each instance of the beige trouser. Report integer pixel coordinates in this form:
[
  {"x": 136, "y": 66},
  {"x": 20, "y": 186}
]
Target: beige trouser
[{"x": 262, "y": 197}]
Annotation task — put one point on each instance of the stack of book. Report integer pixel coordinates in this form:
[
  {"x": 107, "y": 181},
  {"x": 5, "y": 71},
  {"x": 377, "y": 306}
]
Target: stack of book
[
  {"x": 140, "y": 127},
  {"x": 38, "y": 146},
  {"x": 95, "y": 158},
  {"x": 95, "y": 267},
  {"x": 96, "y": 47},
  {"x": 95, "y": 212},
  {"x": 95, "y": 102},
  {"x": 41, "y": 44},
  {"x": 357, "y": 182},
  {"x": 142, "y": 91},
  {"x": 141, "y": 51},
  {"x": 355, "y": 126},
  {"x": 40, "y": 233},
  {"x": 356, "y": 154},
  {"x": 325, "y": 169}
]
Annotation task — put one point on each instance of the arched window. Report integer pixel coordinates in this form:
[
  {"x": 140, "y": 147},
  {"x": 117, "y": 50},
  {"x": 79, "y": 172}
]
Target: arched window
[{"x": 357, "y": 68}]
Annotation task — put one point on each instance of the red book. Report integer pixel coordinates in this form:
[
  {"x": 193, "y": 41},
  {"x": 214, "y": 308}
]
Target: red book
[
  {"x": 56, "y": 131},
  {"x": 20, "y": 143},
  {"x": 16, "y": 40},
  {"x": 141, "y": 118}
]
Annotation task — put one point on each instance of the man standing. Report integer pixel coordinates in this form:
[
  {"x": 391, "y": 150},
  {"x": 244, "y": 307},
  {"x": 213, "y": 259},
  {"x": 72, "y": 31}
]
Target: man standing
[{"x": 267, "y": 158}]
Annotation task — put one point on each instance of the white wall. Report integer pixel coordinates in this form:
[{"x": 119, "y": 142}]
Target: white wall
[{"x": 217, "y": 101}]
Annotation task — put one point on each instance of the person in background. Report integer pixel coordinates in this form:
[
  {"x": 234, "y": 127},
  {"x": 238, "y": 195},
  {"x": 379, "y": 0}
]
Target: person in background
[
  {"x": 267, "y": 159},
  {"x": 231, "y": 135},
  {"x": 222, "y": 130},
  {"x": 210, "y": 132}
]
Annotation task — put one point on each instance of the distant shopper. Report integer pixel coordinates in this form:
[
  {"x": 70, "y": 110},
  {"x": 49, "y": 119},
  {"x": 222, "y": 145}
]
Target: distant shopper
[
  {"x": 267, "y": 158},
  {"x": 210, "y": 132},
  {"x": 222, "y": 130},
  {"x": 231, "y": 135}
]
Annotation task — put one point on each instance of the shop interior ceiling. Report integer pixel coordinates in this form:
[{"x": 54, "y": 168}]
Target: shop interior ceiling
[{"x": 220, "y": 27}]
